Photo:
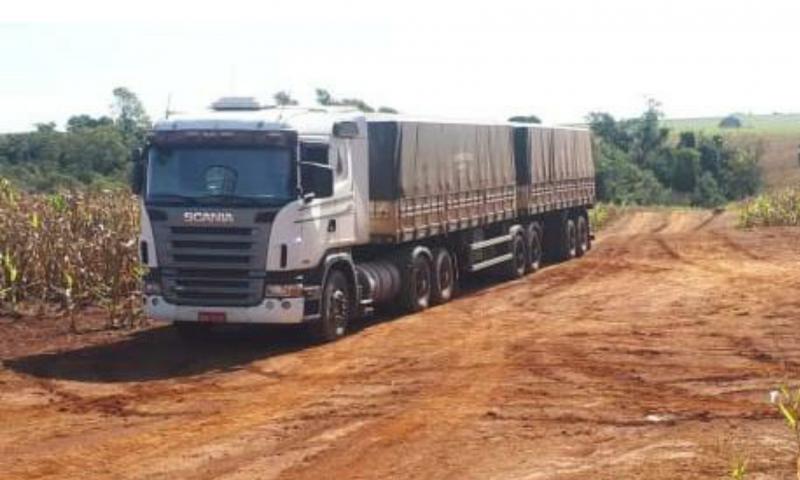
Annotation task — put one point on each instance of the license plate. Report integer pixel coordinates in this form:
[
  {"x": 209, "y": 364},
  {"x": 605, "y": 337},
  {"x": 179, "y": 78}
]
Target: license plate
[{"x": 214, "y": 317}]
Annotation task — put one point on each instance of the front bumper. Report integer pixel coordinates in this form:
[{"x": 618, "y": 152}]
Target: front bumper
[{"x": 283, "y": 311}]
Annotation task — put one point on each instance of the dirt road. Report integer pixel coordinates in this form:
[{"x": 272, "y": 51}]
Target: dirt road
[{"x": 650, "y": 358}]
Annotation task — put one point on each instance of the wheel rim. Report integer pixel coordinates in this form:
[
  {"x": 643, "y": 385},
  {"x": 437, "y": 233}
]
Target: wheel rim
[
  {"x": 338, "y": 307},
  {"x": 573, "y": 242},
  {"x": 423, "y": 284},
  {"x": 445, "y": 276},
  {"x": 536, "y": 251},
  {"x": 519, "y": 256},
  {"x": 584, "y": 238}
]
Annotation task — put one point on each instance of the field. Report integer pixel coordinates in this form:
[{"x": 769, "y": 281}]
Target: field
[
  {"x": 779, "y": 134},
  {"x": 650, "y": 358}
]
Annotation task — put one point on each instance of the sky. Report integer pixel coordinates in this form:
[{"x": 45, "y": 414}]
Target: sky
[{"x": 559, "y": 59}]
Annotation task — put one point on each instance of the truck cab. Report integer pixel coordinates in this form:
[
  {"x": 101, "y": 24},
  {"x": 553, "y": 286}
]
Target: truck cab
[{"x": 247, "y": 211}]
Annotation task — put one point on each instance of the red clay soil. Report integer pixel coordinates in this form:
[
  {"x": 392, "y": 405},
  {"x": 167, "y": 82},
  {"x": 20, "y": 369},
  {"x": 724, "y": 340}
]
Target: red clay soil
[{"x": 649, "y": 358}]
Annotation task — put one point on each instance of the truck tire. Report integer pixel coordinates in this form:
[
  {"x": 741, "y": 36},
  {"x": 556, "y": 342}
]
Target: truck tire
[
  {"x": 417, "y": 283},
  {"x": 582, "y": 232},
  {"x": 569, "y": 240},
  {"x": 534, "y": 247},
  {"x": 519, "y": 258},
  {"x": 443, "y": 278},
  {"x": 336, "y": 309}
]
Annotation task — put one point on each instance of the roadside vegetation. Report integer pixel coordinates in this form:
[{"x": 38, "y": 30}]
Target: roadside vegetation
[
  {"x": 771, "y": 209},
  {"x": 641, "y": 162},
  {"x": 68, "y": 251}
]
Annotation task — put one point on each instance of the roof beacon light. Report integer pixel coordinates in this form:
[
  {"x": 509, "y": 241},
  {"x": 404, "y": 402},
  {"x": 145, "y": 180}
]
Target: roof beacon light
[{"x": 236, "y": 103}]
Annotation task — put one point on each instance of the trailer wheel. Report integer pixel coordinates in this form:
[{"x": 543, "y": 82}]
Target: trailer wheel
[
  {"x": 534, "y": 247},
  {"x": 335, "y": 310},
  {"x": 570, "y": 240},
  {"x": 519, "y": 258},
  {"x": 417, "y": 284},
  {"x": 443, "y": 278},
  {"x": 583, "y": 244}
]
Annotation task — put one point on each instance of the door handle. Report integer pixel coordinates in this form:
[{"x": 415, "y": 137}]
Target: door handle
[{"x": 331, "y": 226}]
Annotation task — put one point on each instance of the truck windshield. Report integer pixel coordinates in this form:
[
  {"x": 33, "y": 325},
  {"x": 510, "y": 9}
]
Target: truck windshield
[{"x": 210, "y": 175}]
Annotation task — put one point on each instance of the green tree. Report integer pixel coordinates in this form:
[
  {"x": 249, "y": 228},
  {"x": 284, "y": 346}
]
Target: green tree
[
  {"x": 731, "y": 121},
  {"x": 93, "y": 152},
  {"x": 619, "y": 180},
  {"x": 283, "y": 98},
  {"x": 79, "y": 122},
  {"x": 387, "y": 110},
  {"x": 525, "y": 119},
  {"x": 707, "y": 192},
  {"x": 130, "y": 116},
  {"x": 325, "y": 98},
  {"x": 685, "y": 169}
]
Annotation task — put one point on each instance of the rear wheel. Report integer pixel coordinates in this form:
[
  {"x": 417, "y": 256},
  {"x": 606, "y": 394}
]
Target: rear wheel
[
  {"x": 519, "y": 257},
  {"x": 443, "y": 278},
  {"x": 534, "y": 247},
  {"x": 417, "y": 284},
  {"x": 336, "y": 309},
  {"x": 583, "y": 241}
]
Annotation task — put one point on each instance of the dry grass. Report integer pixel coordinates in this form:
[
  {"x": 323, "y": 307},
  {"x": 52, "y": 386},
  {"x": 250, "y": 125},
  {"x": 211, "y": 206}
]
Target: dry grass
[{"x": 70, "y": 250}]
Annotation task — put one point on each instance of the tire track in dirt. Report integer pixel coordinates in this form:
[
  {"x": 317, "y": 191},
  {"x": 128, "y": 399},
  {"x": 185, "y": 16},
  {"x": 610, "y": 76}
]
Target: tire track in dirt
[{"x": 623, "y": 363}]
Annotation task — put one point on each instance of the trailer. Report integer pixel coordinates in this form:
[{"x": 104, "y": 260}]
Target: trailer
[{"x": 289, "y": 215}]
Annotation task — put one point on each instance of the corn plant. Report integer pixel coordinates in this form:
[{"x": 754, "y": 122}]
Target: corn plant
[
  {"x": 781, "y": 208},
  {"x": 788, "y": 404},
  {"x": 69, "y": 250},
  {"x": 738, "y": 470}
]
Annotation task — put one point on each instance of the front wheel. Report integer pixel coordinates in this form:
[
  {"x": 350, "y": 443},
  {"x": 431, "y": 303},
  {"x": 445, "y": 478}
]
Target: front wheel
[{"x": 335, "y": 311}]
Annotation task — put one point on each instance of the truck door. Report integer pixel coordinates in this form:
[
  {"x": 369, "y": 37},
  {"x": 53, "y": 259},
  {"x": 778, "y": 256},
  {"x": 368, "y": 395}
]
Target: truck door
[{"x": 329, "y": 222}]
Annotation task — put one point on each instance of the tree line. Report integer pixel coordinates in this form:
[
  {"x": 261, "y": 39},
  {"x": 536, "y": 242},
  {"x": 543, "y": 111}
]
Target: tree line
[{"x": 638, "y": 160}]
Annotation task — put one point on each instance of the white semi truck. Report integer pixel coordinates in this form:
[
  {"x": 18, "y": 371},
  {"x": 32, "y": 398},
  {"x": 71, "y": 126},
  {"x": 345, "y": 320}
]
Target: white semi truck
[{"x": 289, "y": 215}]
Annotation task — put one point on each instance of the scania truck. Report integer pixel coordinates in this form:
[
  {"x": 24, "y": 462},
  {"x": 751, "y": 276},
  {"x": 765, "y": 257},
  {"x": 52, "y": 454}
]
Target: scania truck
[{"x": 317, "y": 216}]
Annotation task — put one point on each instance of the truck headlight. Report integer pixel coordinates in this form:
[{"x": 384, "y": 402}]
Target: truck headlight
[
  {"x": 152, "y": 287},
  {"x": 283, "y": 291}
]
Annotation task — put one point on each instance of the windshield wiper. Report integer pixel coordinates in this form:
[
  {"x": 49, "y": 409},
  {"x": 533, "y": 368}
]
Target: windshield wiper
[{"x": 173, "y": 198}]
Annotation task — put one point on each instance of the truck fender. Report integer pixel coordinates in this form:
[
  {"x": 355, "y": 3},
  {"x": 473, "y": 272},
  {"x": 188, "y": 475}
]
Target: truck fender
[
  {"x": 516, "y": 229},
  {"x": 344, "y": 260}
]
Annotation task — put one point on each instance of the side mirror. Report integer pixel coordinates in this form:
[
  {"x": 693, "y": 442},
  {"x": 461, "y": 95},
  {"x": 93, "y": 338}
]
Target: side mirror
[
  {"x": 345, "y": 129},
  {"x": 137, "y": 178},
  {"x": 136, "y": 155},
  {"x": 316, "y": 179}
]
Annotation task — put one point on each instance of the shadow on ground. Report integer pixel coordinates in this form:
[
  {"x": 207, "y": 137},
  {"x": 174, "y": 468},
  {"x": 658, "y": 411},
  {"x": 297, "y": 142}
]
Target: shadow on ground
[{"x": 161, "y": 353}]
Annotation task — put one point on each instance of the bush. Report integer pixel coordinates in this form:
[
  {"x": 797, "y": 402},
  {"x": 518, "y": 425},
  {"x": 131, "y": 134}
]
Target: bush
[
  {"x": 780, "y": 208},
  {"x": 707, "y": 193},
  {"x": 637, "y": 163},
  {"x": 731, "y": 121},
  {"x": 620, "y": 181},
  {"x": 685, "y": 169}
]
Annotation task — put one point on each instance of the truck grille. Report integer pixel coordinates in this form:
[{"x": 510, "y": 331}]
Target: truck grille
[{"x": 212, "y": 266}]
